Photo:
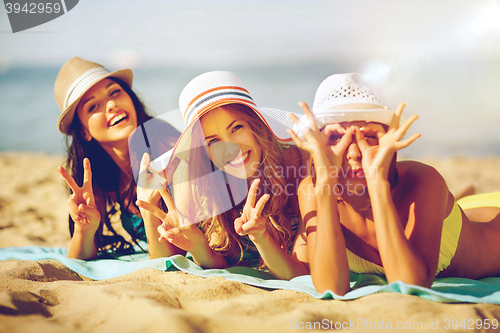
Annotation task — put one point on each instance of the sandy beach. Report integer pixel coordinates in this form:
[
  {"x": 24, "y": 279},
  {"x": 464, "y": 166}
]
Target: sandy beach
[{"x": 45, "y": 296}]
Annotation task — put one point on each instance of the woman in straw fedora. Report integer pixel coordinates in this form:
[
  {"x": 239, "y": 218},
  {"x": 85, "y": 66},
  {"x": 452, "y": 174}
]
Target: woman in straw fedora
[
  {"x": 99, "y": 114},
  {"x": 396, "y": 219},
  {"x": 234, "y": 186}
]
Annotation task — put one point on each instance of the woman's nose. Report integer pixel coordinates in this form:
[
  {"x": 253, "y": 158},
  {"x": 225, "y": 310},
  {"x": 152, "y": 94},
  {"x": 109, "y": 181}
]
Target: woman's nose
[
  {"x": 231, "y": 150},
  {"x": 353, "y": 152},
  {"x": 111, "y": 105}
]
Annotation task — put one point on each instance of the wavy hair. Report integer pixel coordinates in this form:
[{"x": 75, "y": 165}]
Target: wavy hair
[
  {"x": 106, "y": 176},
  {"x": 219, "y": 227}
]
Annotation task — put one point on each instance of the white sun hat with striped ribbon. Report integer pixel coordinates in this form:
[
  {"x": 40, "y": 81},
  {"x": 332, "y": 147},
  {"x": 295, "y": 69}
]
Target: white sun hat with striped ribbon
[
  {"x": 74, "y": 79},
  {"x": 209, "y": 91}
]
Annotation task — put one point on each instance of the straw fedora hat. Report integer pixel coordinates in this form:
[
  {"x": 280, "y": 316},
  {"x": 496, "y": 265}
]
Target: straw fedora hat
[
  {"x": 209, "y": 91},
  {"x": 74, "y": 79},
  {"x": 345, "y": 98}
]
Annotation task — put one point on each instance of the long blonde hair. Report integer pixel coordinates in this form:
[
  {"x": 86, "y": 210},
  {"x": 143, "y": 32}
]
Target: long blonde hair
[{"x": 219, "y": 230}]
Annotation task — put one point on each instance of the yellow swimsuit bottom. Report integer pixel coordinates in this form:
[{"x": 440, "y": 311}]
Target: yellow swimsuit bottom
[{"x": 452, "y": 226}]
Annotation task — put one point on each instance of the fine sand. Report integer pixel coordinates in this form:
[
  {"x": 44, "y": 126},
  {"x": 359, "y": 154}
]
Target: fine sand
[{"x": 45, "y": 296}]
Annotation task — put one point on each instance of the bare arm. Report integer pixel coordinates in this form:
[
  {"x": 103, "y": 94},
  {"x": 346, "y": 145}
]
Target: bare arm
[
  {"x": 83, "y": 211},
  {"x": 408, "y": 254},
  {"x": 325, "y": 240},
  {"x": 181, "y": 233},
  {"x": 319, "y": 208},
  {"x": 252, "y": 223},
  {"x": 148, "y": 188}
]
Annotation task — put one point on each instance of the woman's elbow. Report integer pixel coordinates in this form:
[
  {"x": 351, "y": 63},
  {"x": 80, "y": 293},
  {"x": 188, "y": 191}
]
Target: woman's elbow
[
  {"x": 423, "y": 279},
  {"x": 336, "y": 287}
]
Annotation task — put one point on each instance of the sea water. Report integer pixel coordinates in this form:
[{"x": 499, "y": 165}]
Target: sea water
[{"x": 459, "y": 108}]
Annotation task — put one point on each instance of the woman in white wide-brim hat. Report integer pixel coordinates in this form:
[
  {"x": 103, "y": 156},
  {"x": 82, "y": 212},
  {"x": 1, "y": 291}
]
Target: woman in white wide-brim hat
[
  {"x": 396, "y": 219},
  {"x": 100, "y": 114},
  {"x": 236, "y": 176}
]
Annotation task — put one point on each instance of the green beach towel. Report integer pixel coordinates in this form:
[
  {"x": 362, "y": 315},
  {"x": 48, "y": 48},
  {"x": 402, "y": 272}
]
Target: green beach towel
[{"x": 445, "y": 290}]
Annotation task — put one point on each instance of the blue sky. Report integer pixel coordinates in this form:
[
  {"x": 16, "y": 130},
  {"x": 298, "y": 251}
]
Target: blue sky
[{"x": 401, "y": 34}]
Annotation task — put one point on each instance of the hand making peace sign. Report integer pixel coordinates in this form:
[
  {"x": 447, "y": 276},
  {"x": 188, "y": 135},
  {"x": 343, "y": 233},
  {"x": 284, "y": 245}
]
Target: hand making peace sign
[
  {"x": 81, "y": 204},
  {"x": 176, "y": 228},
  {"x": 251, "y": 222}
]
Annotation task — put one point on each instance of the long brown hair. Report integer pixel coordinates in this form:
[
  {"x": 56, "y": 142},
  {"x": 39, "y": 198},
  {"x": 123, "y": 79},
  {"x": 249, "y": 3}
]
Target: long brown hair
[
  {"x": 106, "y": 176},
  {"x": 219, "y": 229}
]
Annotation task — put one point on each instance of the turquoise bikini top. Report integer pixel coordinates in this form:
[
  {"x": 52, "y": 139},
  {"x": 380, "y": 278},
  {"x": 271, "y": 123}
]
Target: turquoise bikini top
[{"x": 131, "y": 224}]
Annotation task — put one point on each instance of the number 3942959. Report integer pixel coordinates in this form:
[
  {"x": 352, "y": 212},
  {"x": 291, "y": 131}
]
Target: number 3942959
[{"x": 33, "y": 8}]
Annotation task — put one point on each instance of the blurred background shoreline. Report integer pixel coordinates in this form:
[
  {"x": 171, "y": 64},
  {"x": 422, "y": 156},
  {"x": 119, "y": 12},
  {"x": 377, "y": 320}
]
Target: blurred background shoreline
[
  {"x": 441, "y": 58},
  {"x": 458, "y": 117}
]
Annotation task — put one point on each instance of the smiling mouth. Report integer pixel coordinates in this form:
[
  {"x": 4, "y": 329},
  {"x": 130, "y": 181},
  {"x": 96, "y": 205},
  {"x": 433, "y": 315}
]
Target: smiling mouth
[
  {"x": 118, "y": 119},
  {"x": 240, "y": 160}
]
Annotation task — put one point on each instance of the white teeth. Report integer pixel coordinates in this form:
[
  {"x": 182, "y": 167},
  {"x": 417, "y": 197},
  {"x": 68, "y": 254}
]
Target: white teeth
[
  {"x": 239, "y": 160},
  {"x": 117, "y": 119}
]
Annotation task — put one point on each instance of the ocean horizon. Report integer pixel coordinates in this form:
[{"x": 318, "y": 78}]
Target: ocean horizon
[{"x": 458, "y": 113}]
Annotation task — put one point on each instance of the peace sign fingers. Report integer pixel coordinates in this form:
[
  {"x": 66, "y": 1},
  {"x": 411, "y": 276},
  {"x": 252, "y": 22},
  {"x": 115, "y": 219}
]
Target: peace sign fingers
[
  {"x": 259, "y": 207},
  {"x": 69, "y": 180},
  {"x": 252, "y": 195},
  {"x": 88, "y": 194},
  {"x": 253, "y": 225},
  {"x": 152, "y": 209},
  {"x": 251, "y": 221},
  {"x": 169, "y": 201}
]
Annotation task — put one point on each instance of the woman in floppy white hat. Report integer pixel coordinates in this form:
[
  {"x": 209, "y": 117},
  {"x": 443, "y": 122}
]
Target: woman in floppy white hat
[
  {"x": 233, "y": 147},
  {"x": 100, "y": 114},
  {"x": 396, "y": 219}
]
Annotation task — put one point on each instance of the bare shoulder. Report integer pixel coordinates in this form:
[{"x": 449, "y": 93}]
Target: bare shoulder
[
  {"x": 420, "y": 179},
  {"x": 295, "y": 156},
  {"x": 414, "y": 170}
]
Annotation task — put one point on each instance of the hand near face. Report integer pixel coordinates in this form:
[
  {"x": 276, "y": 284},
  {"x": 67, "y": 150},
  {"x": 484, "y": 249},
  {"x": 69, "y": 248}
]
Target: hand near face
[
  {"x": 326, "y": 147},
  {"x": 376, "y": 158},
  {"x": 149, "y": 184},
  {"x": 251, "y": 222},
  {"x": 81, "y": 204},
  {"x": 175, "y": 228}
]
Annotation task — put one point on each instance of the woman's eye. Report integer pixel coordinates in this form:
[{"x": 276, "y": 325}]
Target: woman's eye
[
  {"x": 93, "y": 107},
  {"x": 212, "y": 141},
  {"x": 371, "y": 139},
  {"x": 115, "y": 92},
  {"x": 334, "y": 139},
  {"x": 237, "y": 127}
]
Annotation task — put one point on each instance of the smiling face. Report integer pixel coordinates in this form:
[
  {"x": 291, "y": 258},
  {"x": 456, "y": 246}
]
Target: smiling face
[
  {"x": 230, "y": 142},
  {"x": 107, "y": 113}
]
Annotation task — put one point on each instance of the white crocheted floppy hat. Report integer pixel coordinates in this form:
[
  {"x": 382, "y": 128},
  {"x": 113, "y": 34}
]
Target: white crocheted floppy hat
[{"x": 345, "y": 98}]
